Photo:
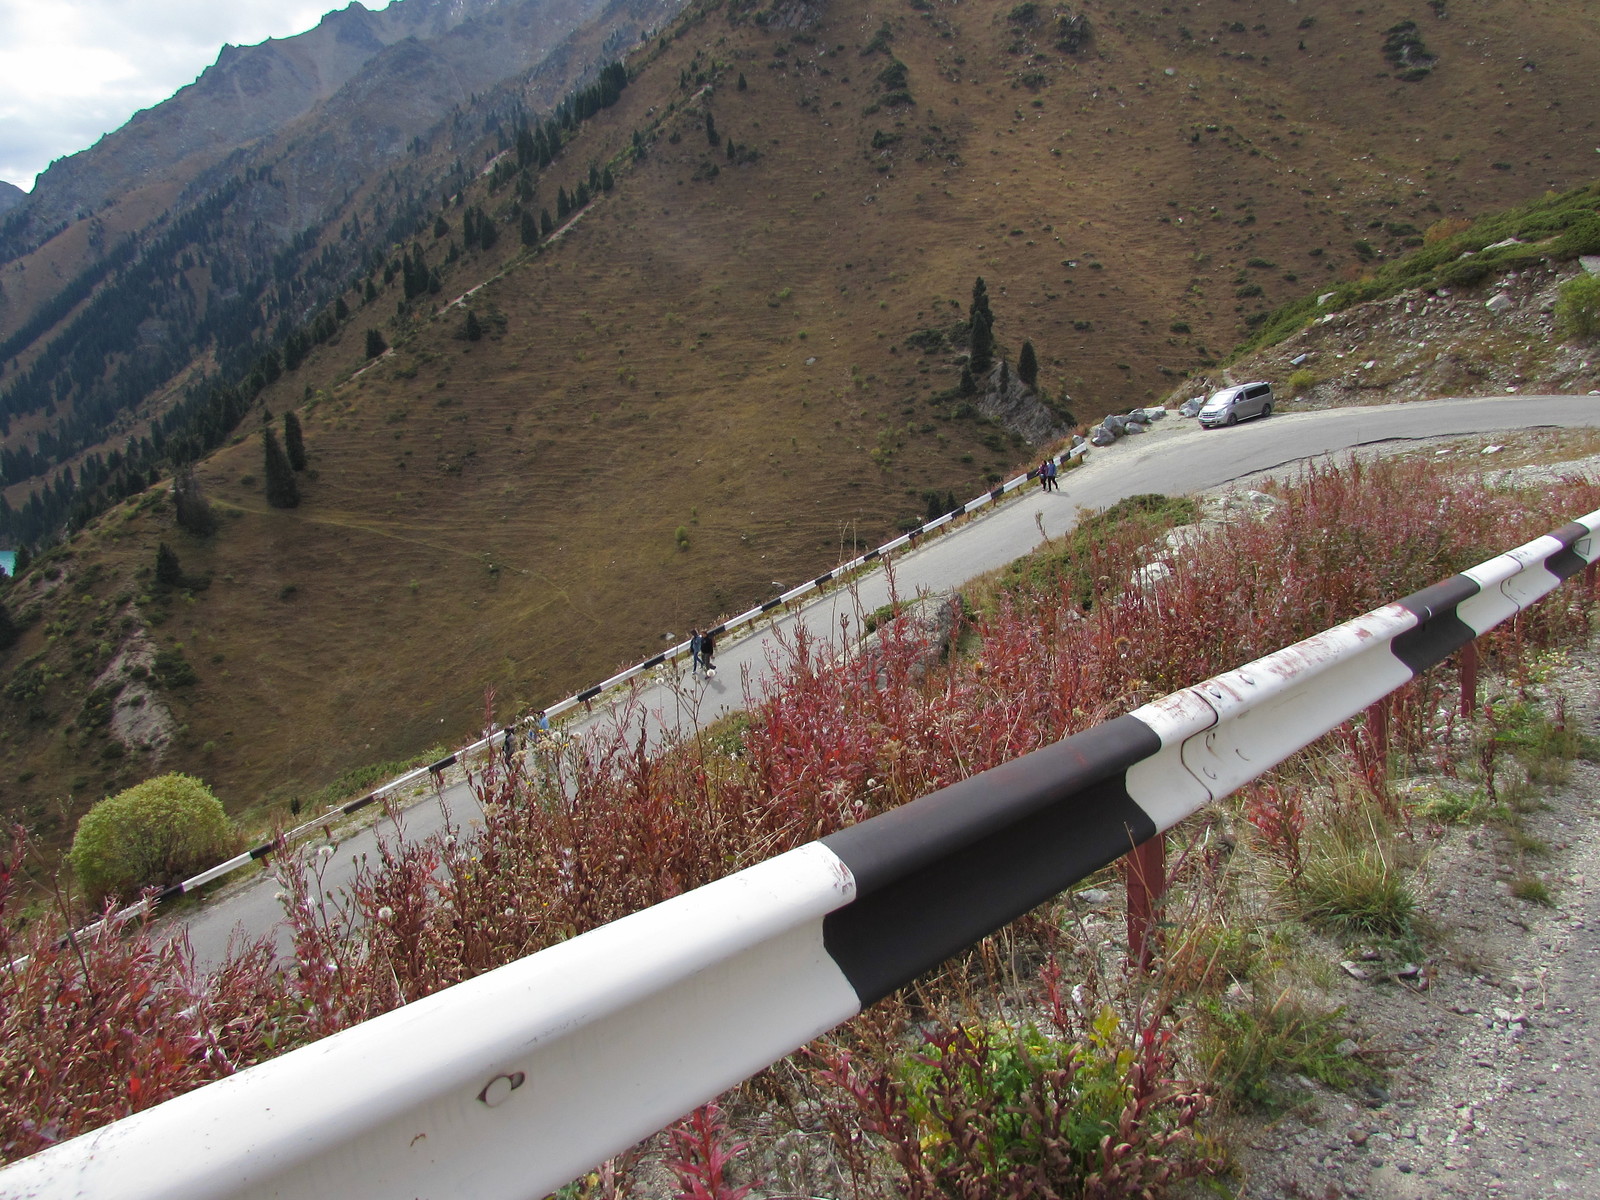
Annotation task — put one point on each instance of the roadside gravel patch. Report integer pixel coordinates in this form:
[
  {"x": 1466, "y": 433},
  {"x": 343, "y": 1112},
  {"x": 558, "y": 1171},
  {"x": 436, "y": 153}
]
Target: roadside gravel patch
[{"x": 1493, "y": 1047}]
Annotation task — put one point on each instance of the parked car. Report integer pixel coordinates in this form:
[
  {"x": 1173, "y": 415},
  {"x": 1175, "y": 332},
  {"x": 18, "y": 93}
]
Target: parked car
[{"x": 1232, "y": 404}]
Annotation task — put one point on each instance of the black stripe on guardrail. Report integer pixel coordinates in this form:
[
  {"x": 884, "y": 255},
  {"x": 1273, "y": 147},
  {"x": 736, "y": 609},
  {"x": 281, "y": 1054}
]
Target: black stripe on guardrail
[
  {"x": 1567, "y": 562},
  {"x": 871, "y": 554},
  {"x": 262, "y": 850},
  {"x": 358, "y": 805},
  {"x": 170, "y": 892},
  {"x": 1439, "y": 632},
  {"x": 587, "y": 694},
  {"x": 935, "y": 875},
  {"x": 821, "y": 579},
  {"x": 997, "y": 494},
  {"x": 718, "y": 630},
  {"x": 654, "y": 662},
  {"x": 956, "y": 512},
  {"x": 772, "y": 604},
  {"x": 448, "y": 761}
]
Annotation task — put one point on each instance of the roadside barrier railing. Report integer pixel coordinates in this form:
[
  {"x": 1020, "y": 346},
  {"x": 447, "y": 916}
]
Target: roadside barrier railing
[
  {"x": 434, "y": 771},
  {"x": 515, "y": 1082}
]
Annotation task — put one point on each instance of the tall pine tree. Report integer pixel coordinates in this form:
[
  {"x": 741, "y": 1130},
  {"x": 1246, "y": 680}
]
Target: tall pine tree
[
  {"x": 282, "y": 491},
  {"x": 294, "y": 442},
  {"x": 982, "y": 324}
]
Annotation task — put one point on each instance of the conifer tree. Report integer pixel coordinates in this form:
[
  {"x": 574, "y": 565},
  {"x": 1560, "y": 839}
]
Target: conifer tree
[
  {"x": 474, "y": 328},
  {"x": 563, "y": 204},
  {"x": 282, "y": 491},
  {"x": 529, "y": 228},
  {"x": 982, "y": 329},
  {"x": 546, "y": 225},
  {"x": 169, "y": 573},
  {"x": 731, "y": 151},
  {"x": 375, "y": 343},
  {"x": 742, "y": 84},
  {"x": 711, "y": 130},
  {"x": 1028, "y": 365},
  {"x": 607, "y": 181},
  {"x": 193, "y": 513},
  {"x": 981, "y": 357},
  {"x": 8, "y": 628},
  {"x": 294, "y": 442}
]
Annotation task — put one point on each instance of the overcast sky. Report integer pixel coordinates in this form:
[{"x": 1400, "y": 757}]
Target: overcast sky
[{"x": 71, "y": 70}]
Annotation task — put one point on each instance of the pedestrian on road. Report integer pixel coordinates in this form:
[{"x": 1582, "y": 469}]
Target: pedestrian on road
[
  {"x": 508, "y": 748},
  {"x": 697, "y": 645},
  {"x": 1050, "y": 469},
  {"x": 1044, "y": 475},
  {"x": 708, "y": 647}
]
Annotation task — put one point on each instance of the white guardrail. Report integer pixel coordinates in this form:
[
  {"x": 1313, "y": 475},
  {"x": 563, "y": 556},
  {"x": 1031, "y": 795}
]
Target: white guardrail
[
  {"x": 514, "y": 1083},
  {"x": 309, "y": 828}
]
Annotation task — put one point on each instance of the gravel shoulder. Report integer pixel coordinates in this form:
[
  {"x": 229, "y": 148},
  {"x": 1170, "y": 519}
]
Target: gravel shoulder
[{"x": 1494, "y": 1046}]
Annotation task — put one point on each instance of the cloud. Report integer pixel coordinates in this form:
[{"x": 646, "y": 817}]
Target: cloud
[{"x": 72, "y": 70}]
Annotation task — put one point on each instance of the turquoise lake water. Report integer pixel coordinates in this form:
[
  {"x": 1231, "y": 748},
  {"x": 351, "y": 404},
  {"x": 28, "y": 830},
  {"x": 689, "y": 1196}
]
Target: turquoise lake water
[{"x": 8, "y": 559}]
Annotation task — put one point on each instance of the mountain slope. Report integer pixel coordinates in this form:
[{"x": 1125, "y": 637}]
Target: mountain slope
[{"x": 740, "y": 362}]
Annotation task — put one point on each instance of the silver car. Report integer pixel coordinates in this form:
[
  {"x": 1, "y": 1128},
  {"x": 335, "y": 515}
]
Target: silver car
[{"x": 1232, "y": 404}]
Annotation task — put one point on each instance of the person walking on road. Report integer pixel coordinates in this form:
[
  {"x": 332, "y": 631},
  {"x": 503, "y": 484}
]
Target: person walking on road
[
  {"x": 696, "y": 651},
  {"x": 1050, "y": 469},
  {"x": 708, "y": 647}
]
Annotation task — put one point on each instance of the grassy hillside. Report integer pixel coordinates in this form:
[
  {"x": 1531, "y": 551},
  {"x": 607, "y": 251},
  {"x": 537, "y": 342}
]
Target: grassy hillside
[{"x": 758, "y": 350}]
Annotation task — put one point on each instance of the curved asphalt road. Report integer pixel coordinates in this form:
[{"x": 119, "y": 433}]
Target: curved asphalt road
[{"x": 1176, "y": 458}]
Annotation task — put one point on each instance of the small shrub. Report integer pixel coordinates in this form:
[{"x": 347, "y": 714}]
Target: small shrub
[
  {"x": 1252, "y": 1049},
  {"x": 1465, "y": 272},
  {"x": 1532, "y": 889},
  {"x": 172, "y": 669},
  {"x": 1578, "y": 307},
  {"x": 1351, "y": 882},
  {"x": 1301, "y": 381},
  {"x": 152, "y": 834}
]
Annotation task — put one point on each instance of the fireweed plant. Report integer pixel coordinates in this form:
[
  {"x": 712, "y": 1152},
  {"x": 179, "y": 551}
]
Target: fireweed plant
[{"x": 973, "y": 1076}]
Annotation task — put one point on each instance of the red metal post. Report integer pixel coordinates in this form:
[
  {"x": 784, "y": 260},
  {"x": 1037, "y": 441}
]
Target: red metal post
[
  {"x": 1469, "y": 678},
  {"x": 1147, "y": 883}
]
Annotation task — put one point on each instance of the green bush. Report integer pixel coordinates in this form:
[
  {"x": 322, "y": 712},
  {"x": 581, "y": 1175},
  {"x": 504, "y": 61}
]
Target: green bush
[
  {"x": 1465, "y": 272},
  {"x": 1578, "y": 307},
  {"x": 153, "y": 834}
]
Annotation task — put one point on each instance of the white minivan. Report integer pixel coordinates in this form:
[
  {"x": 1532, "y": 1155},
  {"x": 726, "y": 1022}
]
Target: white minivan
[{"x": 1233, "y": 404}]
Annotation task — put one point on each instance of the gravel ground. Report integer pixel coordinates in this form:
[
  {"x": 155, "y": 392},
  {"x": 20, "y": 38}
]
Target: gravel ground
[{"x": 1494, "y": 1045}]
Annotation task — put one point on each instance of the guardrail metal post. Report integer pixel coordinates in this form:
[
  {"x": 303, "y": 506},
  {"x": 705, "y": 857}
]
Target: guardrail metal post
[
  {"x": 1378, "y": 722},
  {"x": 1469, "y": 678},
  {"x": 1147, "y": 883}
]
